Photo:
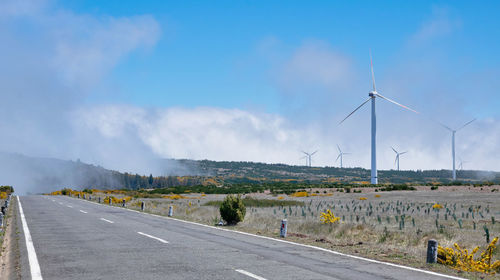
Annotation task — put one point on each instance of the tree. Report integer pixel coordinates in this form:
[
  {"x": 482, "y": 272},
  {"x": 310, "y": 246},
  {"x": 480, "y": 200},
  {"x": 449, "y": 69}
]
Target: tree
[{"x": 150, "y": 179}]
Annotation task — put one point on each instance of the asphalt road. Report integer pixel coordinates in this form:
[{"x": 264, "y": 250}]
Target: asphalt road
[{"x": 76, "y": 239}]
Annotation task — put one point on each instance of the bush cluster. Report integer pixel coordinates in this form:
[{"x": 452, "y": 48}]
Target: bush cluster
[{"x": 232, "y": 209}]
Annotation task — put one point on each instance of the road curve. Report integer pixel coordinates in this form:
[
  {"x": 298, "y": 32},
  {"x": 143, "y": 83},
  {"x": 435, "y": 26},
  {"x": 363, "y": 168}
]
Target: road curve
[{"x": 77, "y": 239}]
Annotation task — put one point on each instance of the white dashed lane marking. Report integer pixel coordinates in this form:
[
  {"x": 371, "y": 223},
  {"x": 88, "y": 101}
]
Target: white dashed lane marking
[
  {"x": 111, "y": 222},
  {"x": 153, "y": 237}
]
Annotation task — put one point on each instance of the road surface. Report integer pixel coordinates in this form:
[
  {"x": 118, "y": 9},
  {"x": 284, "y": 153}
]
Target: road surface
[{"x": 77, "y": 239}]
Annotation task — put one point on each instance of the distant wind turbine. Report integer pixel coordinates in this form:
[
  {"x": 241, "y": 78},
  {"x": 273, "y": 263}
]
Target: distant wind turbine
[
  {"x": 453, "y": 131},
  {"x": 306, "y": 159},
  {"x": 373, "y": 95},
  {"x": 461, "y": 164},
  {"x": 309, "y": 157},
  {"x": 397, "y": 156},
  {"x": 341, "y": 155}
]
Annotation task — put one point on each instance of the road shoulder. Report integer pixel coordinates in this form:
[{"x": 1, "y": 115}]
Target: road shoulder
[{"x": 10, "y": 255}]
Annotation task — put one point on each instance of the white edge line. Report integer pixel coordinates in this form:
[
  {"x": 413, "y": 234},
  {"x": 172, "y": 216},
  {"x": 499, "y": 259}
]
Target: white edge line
[
  {"x": 250, "y": 274},
  {"x": 111, "y": 222},
  {"x": 69, "y": 206},
  {"x": 83, "y": 211},
  {"x": 290, "y": 242},
  {"x": 36, "y": 274},
  {"x": 153, "y": 237}
]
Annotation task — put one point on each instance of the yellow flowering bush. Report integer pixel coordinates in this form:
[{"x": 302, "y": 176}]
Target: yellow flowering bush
[
  {"x": 328, "y": 217},
  {"x": 377, "y": 195},
  {"x": 437, "y": 206},
  {"x": 115, "y": 200},
  {"x": 174, "y": 196},
  {"x": 362, "y": 198},
  {"x": 461, "y": 259},
  {"x": 3, "y": 195},
  {"x": 300, "y": 194},
  {"x": 280, "y": 197}
]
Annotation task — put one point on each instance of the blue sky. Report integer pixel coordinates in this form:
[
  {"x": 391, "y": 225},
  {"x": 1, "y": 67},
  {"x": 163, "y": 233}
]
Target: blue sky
[
  {"x": 248, "y": 80},
  {"x": 208, "y": 51}
]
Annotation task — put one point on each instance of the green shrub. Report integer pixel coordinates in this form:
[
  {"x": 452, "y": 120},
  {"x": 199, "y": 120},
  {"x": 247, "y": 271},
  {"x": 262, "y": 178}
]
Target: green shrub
[
  {"x": 232, "y": 209},
  {"x": 434, "y": 188}
]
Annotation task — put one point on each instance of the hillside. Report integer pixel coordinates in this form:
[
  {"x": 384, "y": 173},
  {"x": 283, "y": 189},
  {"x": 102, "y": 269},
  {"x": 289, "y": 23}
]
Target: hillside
[{"x": 31, "y": 174}]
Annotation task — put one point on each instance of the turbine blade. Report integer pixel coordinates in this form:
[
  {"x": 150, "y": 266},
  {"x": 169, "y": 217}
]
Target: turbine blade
[
  {"x": 355, "y": 110},
  {"x": 441, "y": 124},
  {"x": 373, "y": 75},
  {"x": 338, "y": 157},
  {"x": 465, "y": 125},
  {"x": 394, "y": 150},
  {"x": 395, "y": 160},
  {"x": 305, "y": 153},
  {"x": 401, "y": 105},
  {"x": 314, "y": 152},
  {"x": 403, "y": 153},
  {"x": 339, "y": 148}
]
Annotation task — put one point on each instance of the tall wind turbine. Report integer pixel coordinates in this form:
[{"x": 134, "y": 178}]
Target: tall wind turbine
[
  {"x": 397, "y": 156},
  {"x": 453, "y": 131},
  {"x": 341, "y": 155},
  {"x": 309, "y": 156},
  {"x": 372, "y": 96}
]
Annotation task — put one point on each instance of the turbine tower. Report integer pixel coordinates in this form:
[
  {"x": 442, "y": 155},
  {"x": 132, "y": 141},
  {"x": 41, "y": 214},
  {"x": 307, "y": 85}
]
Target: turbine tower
[
  {"x": 309, "y": 157},
  {"x": 453, "y": 131},
  {"x": 372, "y": 96},
  {"x": 341, "y": 155},
  {"x": 397, "y": 156}
]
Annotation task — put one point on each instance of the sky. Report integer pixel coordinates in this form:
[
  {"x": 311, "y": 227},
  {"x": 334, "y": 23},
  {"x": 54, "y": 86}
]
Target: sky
[{"x": 122, "y": 83}]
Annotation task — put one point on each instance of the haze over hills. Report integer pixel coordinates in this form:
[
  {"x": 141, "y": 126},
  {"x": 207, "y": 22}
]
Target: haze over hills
[{"x": 36, "y": 175}]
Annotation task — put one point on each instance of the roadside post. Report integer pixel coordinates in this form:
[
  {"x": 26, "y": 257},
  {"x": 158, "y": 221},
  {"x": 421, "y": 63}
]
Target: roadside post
[
  {"x": 99, "y": 199},
  {"x": 123, "y": 203},
  {"x": 432, "y": 246},
  {"x": 142, "y": 206},
  {"x": 170, "y": 211},
  {"x": 283, "y": 228}
]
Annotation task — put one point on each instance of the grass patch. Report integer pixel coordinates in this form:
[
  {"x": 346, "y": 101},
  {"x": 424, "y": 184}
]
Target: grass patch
[{"x": 253, "y": 202}]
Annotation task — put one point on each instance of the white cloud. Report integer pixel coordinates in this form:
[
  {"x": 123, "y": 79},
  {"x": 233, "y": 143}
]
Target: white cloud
[{"x": 232, "y": 134}]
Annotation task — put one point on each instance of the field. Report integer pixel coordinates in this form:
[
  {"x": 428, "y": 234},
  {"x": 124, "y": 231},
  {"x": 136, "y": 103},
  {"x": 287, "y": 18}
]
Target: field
[{"x": 391, "y": 226}]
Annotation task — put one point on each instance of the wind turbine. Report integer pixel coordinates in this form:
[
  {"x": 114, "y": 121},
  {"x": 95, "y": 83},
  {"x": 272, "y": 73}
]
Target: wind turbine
[
  {"x": 461, "y": 164},
  {"x": 306, "y": 159},
  {"x": 453, "y": 131},
  {"x": 309, "y": 156},
  {"x": 372, "y": 96},
  {"x": 397, "y": 156},
  {"x": 341, "y": 155}
]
